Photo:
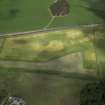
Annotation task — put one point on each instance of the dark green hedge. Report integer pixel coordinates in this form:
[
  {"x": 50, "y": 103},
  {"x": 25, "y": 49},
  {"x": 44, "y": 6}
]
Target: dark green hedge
[{"x": 93, "y": 93}]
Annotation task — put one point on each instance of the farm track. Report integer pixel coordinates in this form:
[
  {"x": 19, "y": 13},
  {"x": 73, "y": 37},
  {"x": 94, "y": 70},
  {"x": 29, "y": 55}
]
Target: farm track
[{"x": 6, "y": 35}]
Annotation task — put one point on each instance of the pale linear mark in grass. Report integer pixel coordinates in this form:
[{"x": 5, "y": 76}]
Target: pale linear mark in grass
[{"x": 50, "y": 22}]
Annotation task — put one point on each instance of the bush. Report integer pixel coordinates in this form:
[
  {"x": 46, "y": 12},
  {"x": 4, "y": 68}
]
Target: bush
[{"x": 93, "y": 93}]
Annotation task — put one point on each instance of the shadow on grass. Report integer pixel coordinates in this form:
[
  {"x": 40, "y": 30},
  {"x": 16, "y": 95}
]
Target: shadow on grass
[{"x": 97, "y": 7}]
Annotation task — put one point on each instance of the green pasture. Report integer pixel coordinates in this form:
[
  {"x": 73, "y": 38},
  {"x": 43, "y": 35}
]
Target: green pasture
[
  {"x": 25, "y": 15},
  {"x": 41, "y": 88}
]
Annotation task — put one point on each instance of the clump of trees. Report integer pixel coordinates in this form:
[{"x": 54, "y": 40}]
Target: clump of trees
[
  {"x": 60, "y": 8},
  {"x": 93, "y": 93}
]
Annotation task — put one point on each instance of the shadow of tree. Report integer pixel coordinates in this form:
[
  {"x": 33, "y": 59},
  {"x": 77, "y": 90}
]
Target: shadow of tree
[{"x": 97, "y": 7}]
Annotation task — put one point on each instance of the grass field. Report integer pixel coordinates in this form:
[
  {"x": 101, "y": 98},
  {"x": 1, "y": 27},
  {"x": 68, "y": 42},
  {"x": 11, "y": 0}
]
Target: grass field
[
  {"x": 46, "y": 85},
  {"x": 90, "y": 59},
  {"x": 42, "y": 88},
  {"x": 25, "y": 15},
  {"x": 45, "y": 46},
  {"x": 71, "y": 50},
  {"x": 71, "y": 63}
]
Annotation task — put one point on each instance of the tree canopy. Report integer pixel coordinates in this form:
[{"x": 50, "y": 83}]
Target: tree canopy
[{"x": 93, "y": 93}]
